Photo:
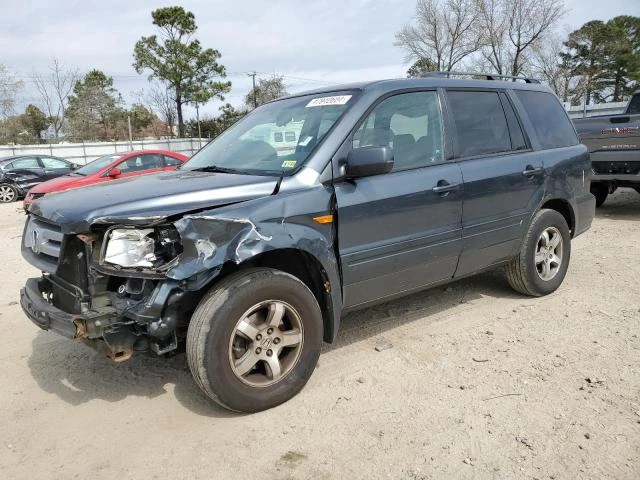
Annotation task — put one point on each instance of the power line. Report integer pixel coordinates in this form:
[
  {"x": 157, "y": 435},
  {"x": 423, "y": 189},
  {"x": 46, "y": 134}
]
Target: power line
[
  {"x": 140, "y": 77},
  {"x": 309, "y": 80}
]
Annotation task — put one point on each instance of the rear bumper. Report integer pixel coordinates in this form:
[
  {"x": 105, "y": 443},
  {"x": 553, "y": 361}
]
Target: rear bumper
[
  {"x": 584, "y": 210},
  {"x": 616, "y": 166},
  {"x": 633, "y": 179}
]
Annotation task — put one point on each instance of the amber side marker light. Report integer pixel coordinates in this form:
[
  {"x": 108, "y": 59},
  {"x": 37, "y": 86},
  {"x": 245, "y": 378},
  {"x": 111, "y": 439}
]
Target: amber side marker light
[{"x": 323, "y": 219}]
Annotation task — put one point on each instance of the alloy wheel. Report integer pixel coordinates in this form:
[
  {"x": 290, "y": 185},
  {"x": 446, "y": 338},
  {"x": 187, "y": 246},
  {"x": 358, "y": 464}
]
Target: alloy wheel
[
  {"x": 7, "y": 194},
  {"x": 266, "y": 343},
  {"x": 548, "y": 256}
]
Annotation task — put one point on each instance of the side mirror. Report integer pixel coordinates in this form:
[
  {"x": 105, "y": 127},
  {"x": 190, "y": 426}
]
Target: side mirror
[
  {"x": 115, "y": 172},
  {"x": 368, "y": 161}
]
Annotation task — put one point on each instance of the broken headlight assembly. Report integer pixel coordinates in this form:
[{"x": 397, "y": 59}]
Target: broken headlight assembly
[{"x": 141, "y": 247}]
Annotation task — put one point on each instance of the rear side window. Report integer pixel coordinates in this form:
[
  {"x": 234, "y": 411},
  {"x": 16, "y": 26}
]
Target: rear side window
[
  {"x": 150, "y": 161},
  {"x": 550, "y": 121},
  {"x": 25, "y": 163},
  {"x": 480, "y": 121}
]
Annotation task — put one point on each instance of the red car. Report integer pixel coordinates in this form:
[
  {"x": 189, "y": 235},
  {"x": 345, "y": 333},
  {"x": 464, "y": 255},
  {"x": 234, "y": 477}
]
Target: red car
[{"x": 109, "y": 167}]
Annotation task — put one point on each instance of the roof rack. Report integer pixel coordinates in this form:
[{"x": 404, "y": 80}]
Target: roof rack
[{"x": 486, "y": 76}]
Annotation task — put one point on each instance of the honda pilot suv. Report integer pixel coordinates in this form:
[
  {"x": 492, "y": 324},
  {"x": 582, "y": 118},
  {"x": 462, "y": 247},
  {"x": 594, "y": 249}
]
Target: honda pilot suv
[{"x": 250, "y": 254}]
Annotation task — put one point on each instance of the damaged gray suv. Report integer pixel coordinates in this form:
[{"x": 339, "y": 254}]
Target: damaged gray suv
[{"x": 311, "y": 206}]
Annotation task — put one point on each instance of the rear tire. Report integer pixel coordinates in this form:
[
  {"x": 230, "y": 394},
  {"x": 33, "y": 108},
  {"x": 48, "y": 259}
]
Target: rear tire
[
  {"x": 601, "y": 192},
  {"x": 254, "y": 339},
  {"x": 8, "y": 193},
  {"x": 542, "y": 262}
]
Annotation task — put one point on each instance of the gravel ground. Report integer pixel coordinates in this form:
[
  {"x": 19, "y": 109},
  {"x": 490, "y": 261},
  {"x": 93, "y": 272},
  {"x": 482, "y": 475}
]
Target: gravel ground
[{"x": 476, "y": 382}]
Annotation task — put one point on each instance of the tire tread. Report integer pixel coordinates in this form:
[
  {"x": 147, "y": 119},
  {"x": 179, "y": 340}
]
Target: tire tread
[
  {"x": 517, "y": 270},
  {"x": 201, "y": 318}
]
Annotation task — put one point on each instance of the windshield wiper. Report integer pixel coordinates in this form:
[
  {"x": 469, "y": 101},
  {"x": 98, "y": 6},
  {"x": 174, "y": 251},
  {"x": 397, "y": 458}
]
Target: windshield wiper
[
  {"x": 215, "y": 169},
  {"x": 246, "y": 171}
]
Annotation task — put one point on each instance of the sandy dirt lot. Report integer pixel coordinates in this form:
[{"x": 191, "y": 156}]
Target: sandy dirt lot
[{"x": 480, "y": 382}]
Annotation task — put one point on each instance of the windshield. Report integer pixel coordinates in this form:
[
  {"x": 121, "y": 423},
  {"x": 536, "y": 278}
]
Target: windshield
[
  {"x": 97, "y": 165},
  {"x": 275, "y": 138}
]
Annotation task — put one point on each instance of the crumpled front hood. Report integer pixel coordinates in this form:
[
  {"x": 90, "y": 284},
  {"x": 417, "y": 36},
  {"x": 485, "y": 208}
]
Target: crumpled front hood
[{"x": 148, "y": 198}]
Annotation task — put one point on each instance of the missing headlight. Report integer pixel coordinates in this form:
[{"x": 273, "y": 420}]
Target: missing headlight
[{"x": 168, "y": 243}]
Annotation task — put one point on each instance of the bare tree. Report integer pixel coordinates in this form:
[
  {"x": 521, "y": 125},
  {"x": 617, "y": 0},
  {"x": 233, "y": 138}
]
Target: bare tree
[
  {"x": 160, "y": 99},
  {"x": 9, "y": 88},
  {"x": 54, "y": 89},
  {"x": 513, "y": 28},
  {"x": 548, "y": 65},
  {"x": 494, "y": 27},
  {"x": 445, "y": 32}
]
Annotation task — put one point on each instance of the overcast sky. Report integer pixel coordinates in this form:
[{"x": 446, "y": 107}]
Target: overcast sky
[{"x": 311, "y": 42}]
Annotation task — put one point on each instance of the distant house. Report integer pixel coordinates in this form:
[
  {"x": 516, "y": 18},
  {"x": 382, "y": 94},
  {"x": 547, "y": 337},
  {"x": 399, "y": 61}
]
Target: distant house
[{"x": 50, "y": 133}]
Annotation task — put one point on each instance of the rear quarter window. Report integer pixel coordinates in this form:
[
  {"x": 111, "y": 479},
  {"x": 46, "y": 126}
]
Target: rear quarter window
[
  {"x": 634, "y": 105},
  {"x": 550, "y": 122}
]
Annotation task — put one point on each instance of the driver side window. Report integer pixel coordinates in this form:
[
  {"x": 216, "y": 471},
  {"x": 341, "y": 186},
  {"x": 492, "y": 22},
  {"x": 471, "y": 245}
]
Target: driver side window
[
  {"x": 129, "y": 165},
  {"x": 409, "y": 123}
]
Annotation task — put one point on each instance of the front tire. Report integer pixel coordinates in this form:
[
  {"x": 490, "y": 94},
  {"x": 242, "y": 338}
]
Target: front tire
[
  {"x": 8, "y": 193},
  {"x": 254, "y": 339},
  {"x": 542, "y": 262}
]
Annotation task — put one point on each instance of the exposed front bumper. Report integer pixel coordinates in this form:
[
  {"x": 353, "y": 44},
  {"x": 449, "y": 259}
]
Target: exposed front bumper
[
  {"x": 150, "y": 325},
  {"x": 45, "y": 315},
  {"x": 49, "y": 317}
]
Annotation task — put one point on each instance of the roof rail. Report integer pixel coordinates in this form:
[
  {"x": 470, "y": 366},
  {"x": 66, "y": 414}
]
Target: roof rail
[{"x": 486, "y": 76}]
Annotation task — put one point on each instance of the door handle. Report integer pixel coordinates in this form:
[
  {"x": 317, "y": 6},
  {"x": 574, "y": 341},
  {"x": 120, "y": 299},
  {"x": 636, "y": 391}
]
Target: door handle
[
  {"x": 530, "y": 171},
  {"x": 444, "y": 187}
]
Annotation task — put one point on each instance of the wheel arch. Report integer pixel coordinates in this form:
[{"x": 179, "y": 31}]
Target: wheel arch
[
  {"x": 306, "y": 268},
  {"x": 220, "y": 242},
  {"x": 563, "y": 207}
]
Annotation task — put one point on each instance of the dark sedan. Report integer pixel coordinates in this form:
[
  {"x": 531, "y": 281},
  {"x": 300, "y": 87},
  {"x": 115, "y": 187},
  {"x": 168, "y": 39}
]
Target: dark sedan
[{"x": 20, "y": 173}]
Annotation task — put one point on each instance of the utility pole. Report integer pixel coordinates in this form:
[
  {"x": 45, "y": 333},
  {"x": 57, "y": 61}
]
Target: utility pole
[
  {"x": 255, "y": 98},
  {"x": 199, "y": 131},
  {"x": 130, "y": 133}
]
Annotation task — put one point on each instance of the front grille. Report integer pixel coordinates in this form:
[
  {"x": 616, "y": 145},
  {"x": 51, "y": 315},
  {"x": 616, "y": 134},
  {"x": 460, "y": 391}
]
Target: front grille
[{"x": 41, "y": 243}]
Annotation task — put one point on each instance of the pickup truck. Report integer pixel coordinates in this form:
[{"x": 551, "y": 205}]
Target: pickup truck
[{"x": 614, "y": 144}]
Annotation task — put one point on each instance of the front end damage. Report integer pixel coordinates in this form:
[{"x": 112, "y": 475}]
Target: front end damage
[
  {"x": 79, "y": 297},
  {"x": 122, "y": 310}
]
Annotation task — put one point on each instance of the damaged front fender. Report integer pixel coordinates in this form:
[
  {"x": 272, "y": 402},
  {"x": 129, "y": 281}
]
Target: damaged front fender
[{"x": 242, "y": 232}]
